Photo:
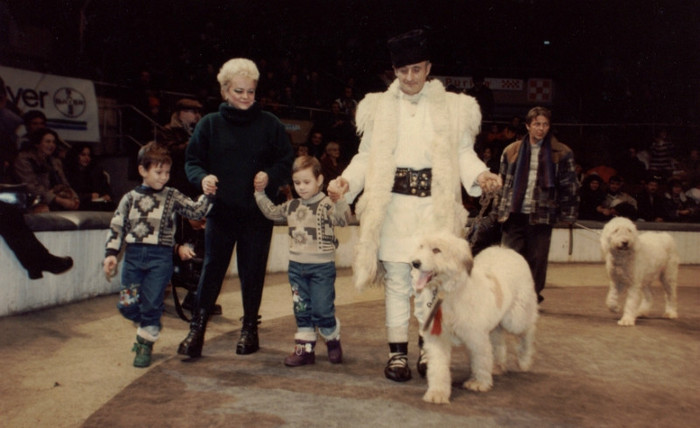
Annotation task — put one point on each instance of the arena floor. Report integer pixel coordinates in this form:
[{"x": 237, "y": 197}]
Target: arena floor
[{"x": 71, "y": 366}]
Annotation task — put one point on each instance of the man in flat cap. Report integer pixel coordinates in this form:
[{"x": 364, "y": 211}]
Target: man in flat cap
[
  {"x": 416, "y": 153},
  {"x": 175, "y": 136}
]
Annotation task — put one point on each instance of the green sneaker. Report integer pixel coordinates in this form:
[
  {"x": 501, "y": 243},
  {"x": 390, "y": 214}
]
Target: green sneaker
[{"x": 143, "y": 349}]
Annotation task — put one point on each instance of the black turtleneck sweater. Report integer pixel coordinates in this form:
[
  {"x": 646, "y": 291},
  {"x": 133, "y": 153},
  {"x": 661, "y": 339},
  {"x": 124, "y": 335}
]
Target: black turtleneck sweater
[{"x": 234, "y": 145}]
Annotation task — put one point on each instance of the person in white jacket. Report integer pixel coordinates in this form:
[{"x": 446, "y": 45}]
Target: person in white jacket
[{"x": 416, "y": 152}]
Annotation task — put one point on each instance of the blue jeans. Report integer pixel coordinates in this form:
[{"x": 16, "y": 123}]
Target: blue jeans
[
  {"x": 145, "y": 274},
  {"x": 313, "y": 294}
]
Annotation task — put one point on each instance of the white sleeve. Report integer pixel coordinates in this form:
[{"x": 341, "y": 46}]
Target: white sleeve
[
  {"x": 355, "y": 172},
  {"x": 470, "y": 166}
]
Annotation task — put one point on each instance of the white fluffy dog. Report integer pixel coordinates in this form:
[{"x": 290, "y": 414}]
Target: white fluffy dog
[
  {"x": 482, "y": 297},
  {"x": 633, "y": 262}
]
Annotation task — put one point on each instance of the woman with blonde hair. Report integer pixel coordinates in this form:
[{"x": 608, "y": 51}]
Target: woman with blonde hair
[{"x": 229, "y": 149}]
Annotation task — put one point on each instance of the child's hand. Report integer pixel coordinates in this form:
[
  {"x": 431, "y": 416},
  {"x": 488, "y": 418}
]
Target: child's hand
[
  {"x": 109, "y": 265},
  {"x": 209, "y": 184},
  {"x": 260, "y": 181}
]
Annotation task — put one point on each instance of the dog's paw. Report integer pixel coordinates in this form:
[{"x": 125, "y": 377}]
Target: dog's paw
[
  {"x": 437, "y": 397},
  {"x": 477, "y": 385},
  {"x": 612, "y": 304},
  {"x": 525, "y": 363},
  {"x": 626, "y": 321},
  {"x": 613, "y": 307},
  {"x": 672, "y": 315},
  {"x": 499, "y": 369}
]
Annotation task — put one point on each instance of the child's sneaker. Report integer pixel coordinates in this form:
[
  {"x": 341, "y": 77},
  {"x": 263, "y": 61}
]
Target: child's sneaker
[
  {"x": 335, "y": 351},
  {"x": 143, "y": 349},
  {"x": 303, "y": 354}
]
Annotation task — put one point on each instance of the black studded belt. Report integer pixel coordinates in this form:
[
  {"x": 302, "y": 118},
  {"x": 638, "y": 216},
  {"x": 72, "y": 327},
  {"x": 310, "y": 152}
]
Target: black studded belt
[{"x": 412, "y": 182}]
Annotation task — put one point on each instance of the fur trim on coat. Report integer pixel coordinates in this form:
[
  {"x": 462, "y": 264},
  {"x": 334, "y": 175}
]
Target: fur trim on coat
[{"x": 452, "y": 115}]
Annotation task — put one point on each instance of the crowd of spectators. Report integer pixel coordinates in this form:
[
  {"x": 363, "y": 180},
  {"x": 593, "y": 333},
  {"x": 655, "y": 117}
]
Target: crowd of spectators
[{"x": 660, "y": 180}]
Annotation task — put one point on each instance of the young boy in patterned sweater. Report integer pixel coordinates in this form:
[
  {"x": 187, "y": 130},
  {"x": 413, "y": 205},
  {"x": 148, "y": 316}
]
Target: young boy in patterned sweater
[
  {"x": 144, "y": 222},
  {"x": 311, "y": 219}
]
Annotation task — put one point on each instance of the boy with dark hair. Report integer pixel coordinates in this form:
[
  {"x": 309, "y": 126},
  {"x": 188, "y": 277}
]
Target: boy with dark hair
[{"x": 144, "y": 222}]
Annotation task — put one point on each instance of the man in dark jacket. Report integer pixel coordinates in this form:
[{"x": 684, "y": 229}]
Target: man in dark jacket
[{"x": 539, "y": 189}]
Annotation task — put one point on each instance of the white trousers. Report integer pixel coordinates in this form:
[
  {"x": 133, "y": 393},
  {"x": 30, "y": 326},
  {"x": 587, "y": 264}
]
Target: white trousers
[{"x": 398, "y": 290}]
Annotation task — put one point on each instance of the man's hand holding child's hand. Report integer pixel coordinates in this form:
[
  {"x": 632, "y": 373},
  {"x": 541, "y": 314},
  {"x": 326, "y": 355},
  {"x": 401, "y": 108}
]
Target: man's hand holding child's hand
[{"x": 337, "y": 188}]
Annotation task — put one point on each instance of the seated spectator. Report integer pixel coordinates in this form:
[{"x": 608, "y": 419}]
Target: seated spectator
[
  {"x": 507, "y": 136},
  {"x": 694, "y": 192},
  {"x": 604, "y": 171},
  {"x": 592, "y": 198},
  {"x": 690, "y": 167},
  {"x": 677, "y": 206},
  {"x": 301, "y": 150},
  {"x": 491, "y": 162},
  {"x": 331, "y": 165},
  {"x": 634, "y": 170},
  {"x": 89, "y": 181},
  {"x": 650, "y": 206},
  {"x": 336, "y": 126},
  {"x": 617, "y": 202},
  {"x": 176, "y": 136},
  {"x": 43, "y": 174},
  {"x": 31, "y": 253},
  {"x": 316, "y": 144},
  {"x": 347, "y": 102},
  {"x": 33, "y": 120},
  {"x": 661, "y": 152}
]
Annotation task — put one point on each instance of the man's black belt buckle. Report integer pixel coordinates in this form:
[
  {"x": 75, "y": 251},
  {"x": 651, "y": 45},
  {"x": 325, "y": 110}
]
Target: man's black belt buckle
[{"x": 412, "y": 182}]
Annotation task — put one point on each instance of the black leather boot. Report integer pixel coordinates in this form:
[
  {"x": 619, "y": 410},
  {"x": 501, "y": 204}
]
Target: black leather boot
[
  {"x": 248, "y": 343},
  {"x": 51, "y": 263},
  {"x": 193, "y": 343}
]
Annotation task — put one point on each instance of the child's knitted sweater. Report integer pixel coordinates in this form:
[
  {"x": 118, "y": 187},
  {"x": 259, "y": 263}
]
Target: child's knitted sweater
[
  {"x": 146, "y": 216},
  {"x": 311, "y": 222}
]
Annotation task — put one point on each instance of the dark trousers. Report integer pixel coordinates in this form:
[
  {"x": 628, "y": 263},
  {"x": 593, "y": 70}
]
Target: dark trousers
[
  {"x": 29, "y": 251},
  {"x": 532, "y": 242},
  {"x": 251, "y": 235}
]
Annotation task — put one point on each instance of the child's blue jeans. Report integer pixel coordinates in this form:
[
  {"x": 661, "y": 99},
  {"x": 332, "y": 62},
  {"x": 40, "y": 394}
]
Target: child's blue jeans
[
  {"x": 313, "y": 294},
  {"x": 145, "y": 274}
]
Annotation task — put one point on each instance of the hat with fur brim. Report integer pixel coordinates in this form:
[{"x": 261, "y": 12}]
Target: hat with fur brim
[{"x": 408, "y": 48}]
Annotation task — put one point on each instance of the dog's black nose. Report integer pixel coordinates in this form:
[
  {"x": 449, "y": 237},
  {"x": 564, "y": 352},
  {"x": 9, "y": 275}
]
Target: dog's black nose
[{"x": 416, "y": 264}]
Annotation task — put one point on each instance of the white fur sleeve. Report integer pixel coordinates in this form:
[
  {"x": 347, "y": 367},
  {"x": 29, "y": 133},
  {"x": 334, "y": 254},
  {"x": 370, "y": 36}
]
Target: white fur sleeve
[{"x": 355, "y": 172}]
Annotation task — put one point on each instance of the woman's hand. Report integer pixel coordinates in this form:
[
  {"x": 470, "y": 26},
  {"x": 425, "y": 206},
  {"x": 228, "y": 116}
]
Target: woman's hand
[
  {"x": 209, "y": 184},
  {"x": 260, "y": 181}
]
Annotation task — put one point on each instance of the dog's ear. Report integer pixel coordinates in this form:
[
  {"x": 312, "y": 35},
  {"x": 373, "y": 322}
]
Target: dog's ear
[
  {"x": 468, "y": 259},
  {"x": 469, "y": 264}
]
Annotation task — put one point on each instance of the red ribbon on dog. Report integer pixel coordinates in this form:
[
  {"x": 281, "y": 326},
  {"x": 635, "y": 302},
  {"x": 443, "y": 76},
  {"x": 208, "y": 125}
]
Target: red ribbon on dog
[{"x": 437, "y": 322}]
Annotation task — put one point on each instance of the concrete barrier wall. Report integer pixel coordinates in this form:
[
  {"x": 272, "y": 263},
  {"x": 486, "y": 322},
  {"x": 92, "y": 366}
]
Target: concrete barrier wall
[{"x": 19, "y": 294}]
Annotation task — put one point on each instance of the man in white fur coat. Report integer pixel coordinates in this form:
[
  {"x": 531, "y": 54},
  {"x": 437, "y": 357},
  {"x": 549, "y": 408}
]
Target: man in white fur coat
[{"x": 416, "y": 152}]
